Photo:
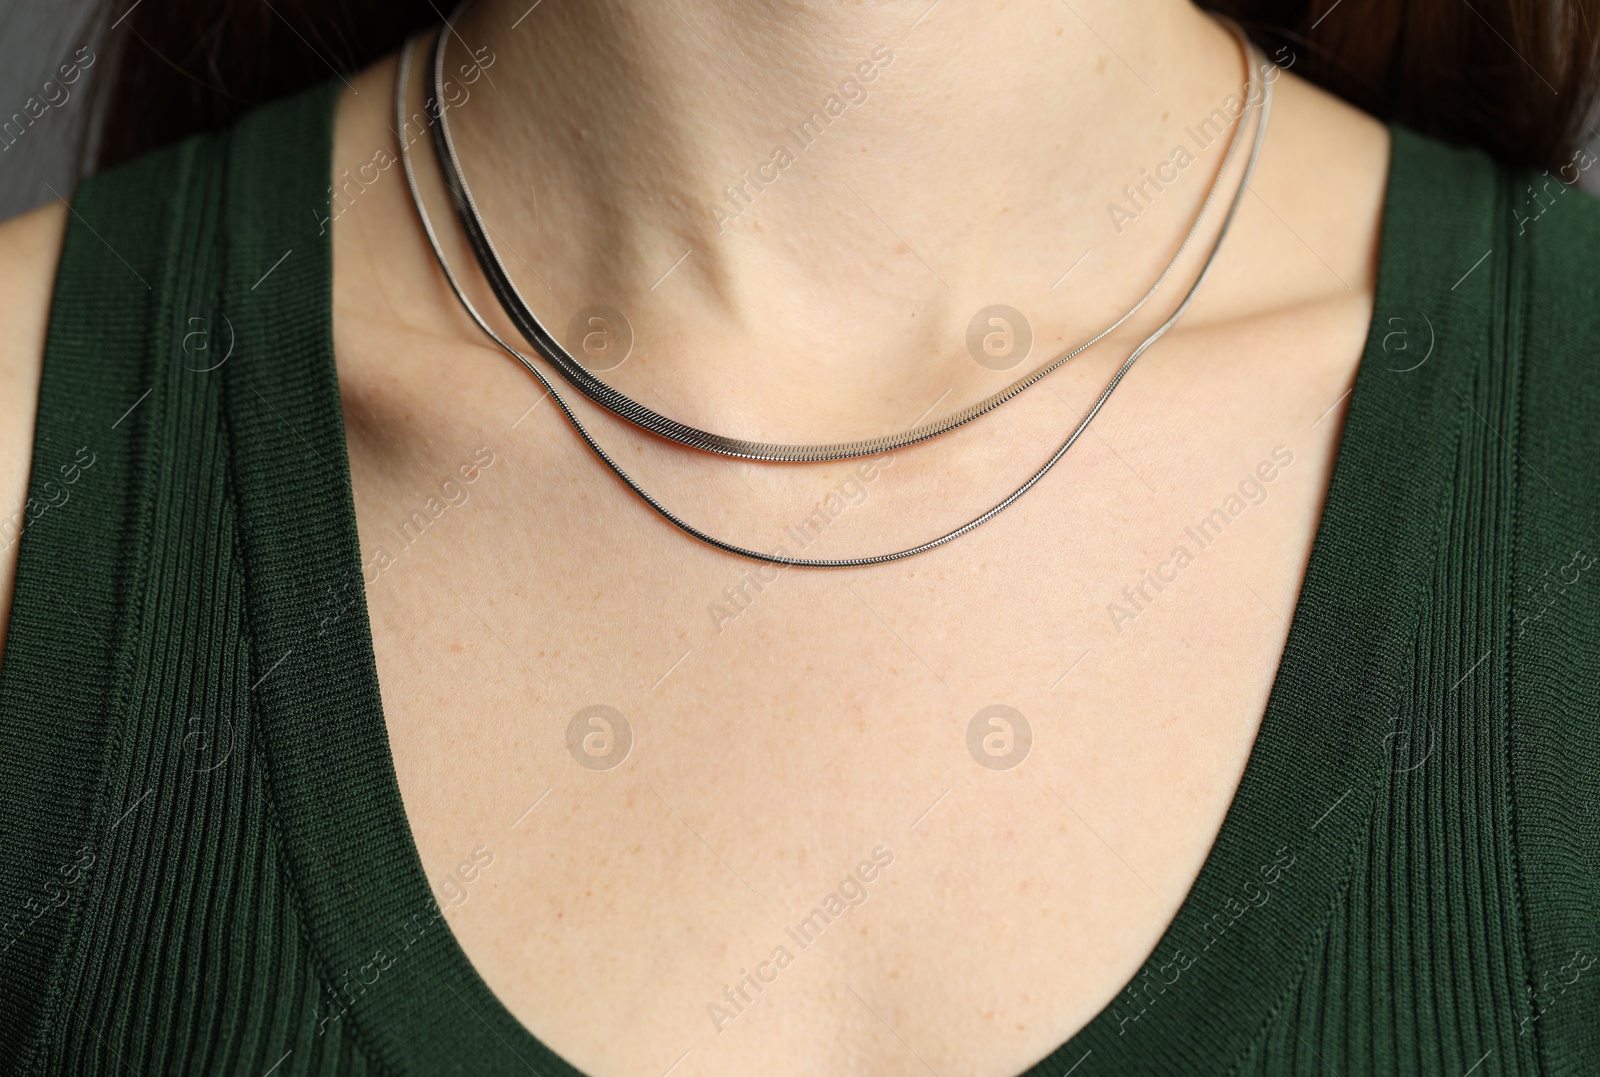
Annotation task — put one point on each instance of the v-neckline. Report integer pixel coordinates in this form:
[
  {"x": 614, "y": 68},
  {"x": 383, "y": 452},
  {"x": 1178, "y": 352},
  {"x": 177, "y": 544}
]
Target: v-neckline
[{"x": 1229, "y": 957}]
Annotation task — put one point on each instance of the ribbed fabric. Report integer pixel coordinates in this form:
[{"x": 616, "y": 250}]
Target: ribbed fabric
[
  {"x": 205, "y": 866},
  {"x": 126, "y": 699}
]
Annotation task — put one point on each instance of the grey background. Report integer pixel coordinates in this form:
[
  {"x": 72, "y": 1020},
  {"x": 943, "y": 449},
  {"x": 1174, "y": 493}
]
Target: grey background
[{"x": 36, "y": 37}]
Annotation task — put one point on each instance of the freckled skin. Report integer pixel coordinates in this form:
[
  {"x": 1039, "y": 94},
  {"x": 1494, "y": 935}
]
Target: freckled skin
[{"x": 774, "y": 751}]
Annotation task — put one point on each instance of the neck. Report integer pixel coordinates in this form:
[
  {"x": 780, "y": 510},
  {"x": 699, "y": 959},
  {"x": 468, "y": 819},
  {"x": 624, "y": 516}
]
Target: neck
[{"x": 811, "y": 200}]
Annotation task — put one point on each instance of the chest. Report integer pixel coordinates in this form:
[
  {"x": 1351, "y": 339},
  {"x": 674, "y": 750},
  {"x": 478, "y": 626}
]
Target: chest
[{"x": 811, "y": 820}]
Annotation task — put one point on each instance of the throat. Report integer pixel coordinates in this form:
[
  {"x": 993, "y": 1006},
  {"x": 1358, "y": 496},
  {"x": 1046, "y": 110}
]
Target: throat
[{"x": 812, "y": 222}]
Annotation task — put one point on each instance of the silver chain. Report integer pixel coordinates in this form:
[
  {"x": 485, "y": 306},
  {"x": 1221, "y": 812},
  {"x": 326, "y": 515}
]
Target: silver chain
[
  {"x": 567, "y": 365},
  {"x": 1256, "y": 86}
]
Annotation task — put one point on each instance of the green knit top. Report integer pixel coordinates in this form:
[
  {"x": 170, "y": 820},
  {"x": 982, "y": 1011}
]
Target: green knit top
[{"x": 205, "y": 865}]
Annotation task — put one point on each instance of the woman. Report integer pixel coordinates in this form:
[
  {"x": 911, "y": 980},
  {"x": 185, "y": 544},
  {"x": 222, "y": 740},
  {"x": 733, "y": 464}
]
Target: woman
[{"x": 359, "y": 717}]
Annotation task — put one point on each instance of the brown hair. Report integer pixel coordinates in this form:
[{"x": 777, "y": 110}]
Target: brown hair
[
  {"x": 1516, "y": 77},
  {"x": 181, "y": 66}
]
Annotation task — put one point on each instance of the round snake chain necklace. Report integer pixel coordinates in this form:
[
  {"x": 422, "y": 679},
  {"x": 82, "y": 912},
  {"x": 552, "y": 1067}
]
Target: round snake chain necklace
[{"x": 1258, "y": 98}]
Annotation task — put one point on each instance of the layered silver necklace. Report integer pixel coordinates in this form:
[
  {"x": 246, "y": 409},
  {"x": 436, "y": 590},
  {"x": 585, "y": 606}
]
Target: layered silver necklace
[{"x": 1258, "y": 99}]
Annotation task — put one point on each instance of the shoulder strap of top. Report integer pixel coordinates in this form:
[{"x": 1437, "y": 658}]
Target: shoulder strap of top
[
  {"x": 346, "y": 843},
  {"x": 1554, "y": 691},
  {"x": 135, "y": 266},
  {"x": 188, "y": 359},
  {"x": 1318, "y": 770},
  {"x": 194, "y": 768}
]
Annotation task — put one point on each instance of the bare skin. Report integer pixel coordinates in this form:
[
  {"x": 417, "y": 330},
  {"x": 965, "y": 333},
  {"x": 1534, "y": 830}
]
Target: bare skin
[
  {"x": 29, "y": 248},
  {"x": 824, "y": 714}
]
